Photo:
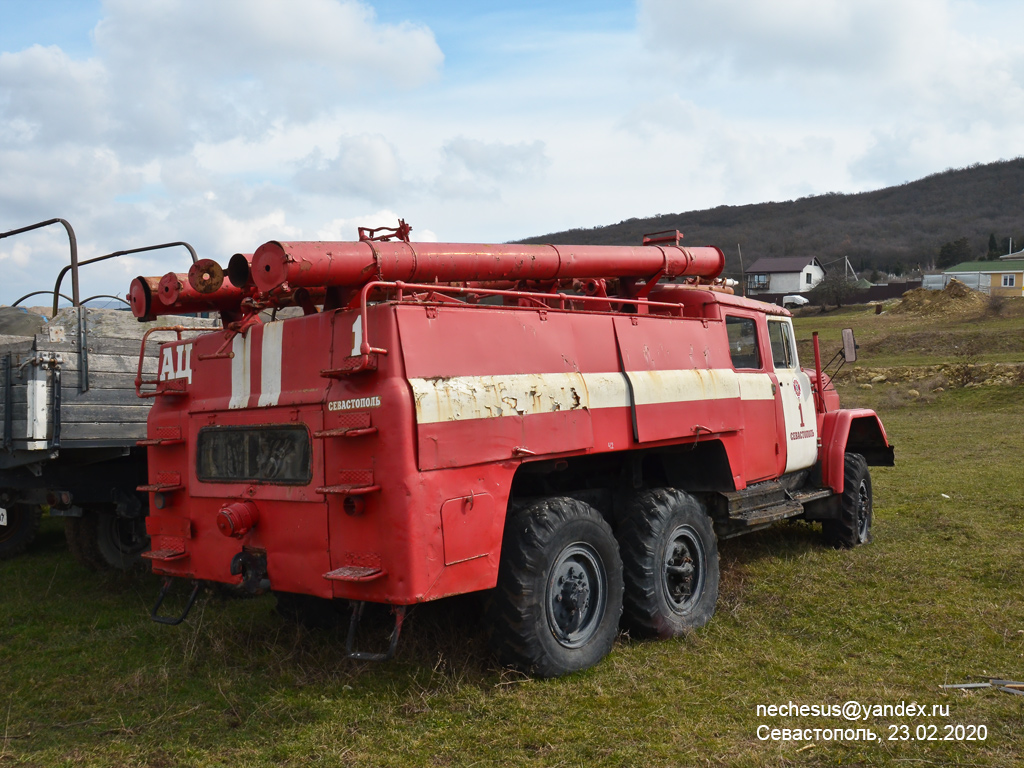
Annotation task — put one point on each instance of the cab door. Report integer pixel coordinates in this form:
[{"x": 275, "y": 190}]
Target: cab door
[
  {"x": 757, "y": 398},
  {"x": 798, "y": 422}
]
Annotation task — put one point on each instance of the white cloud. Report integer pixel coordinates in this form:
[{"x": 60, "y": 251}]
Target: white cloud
[
  {"x": 472, "y": 168},
  {"x": 61, "y": 181},
  {"x": 20, "y": 254},
  {"x": 167, "y": 74},
  {"x": 497, "y": 160},
  {"x": 273, "y": 226},
  {"x": 365, "y": 167},
  {"x": 50, "y": 98},
  {"x": 329, "y": 40},
  {"x": 338, "y": 230},
  {"x": 161, "y": 133},
  {"x": 883, "y": 57},
  {"x": 193, "y": 69},
  {"x": 233, "y": 122},
  {"x": 905, "y": 152},
  {"x": 810, "y": 37},
  {"x": 865, "y": 94}
]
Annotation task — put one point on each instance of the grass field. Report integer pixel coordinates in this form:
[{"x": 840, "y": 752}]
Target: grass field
[{"x": 87, "y": 679}]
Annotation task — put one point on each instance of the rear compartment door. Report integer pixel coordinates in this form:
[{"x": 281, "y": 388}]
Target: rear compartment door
[
  {"x": 681, "y": 385},
  {"x": 271, "y": 384},
  {"x": 494, "y": 384}
]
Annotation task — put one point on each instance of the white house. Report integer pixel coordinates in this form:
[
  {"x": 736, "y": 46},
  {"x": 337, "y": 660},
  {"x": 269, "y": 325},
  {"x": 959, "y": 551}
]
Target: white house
[{"x": 795, "y": 274}]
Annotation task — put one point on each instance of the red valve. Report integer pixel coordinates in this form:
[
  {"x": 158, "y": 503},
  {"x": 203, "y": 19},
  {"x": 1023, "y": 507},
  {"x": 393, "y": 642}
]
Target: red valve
[{"x": 238, "y": 518}]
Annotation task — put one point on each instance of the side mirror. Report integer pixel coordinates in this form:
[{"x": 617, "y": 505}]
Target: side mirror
[{"x": 849, "y": 345}]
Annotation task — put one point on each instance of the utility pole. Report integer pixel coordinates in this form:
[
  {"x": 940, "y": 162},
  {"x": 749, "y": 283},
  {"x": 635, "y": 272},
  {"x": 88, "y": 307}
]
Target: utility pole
[{"x": 743, "y": 273}]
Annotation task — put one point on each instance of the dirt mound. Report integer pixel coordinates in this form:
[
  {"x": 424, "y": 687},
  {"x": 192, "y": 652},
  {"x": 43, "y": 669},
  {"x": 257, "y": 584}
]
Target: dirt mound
[
  {"x": 16, "y": 321},
  {"x": 955, "y": 299}
]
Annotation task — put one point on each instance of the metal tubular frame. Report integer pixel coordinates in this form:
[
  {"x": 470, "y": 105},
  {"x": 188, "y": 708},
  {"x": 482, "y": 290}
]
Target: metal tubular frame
[
  {"x": 74, "y": 258},
  {"x": 76, "y": 264}
]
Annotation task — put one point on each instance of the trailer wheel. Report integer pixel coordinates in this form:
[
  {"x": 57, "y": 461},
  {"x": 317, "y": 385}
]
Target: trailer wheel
[
  {"x": 670, "y": 563},
  {"x": 558, "y": 601},
  {"x": 22, "y": 526},
  {"x": 853, "y": 526}
]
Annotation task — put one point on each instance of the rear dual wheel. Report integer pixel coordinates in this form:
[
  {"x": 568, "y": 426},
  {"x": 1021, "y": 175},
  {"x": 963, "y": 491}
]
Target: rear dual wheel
[
  {"x": 670, "y": 563},
  {"x": 557, "y": 604},
  {"x": 104, "y": 541}
]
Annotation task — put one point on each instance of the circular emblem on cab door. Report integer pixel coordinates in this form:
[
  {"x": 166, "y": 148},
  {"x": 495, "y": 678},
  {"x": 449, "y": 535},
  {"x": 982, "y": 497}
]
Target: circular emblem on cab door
[{"x": 796, "y": 387}]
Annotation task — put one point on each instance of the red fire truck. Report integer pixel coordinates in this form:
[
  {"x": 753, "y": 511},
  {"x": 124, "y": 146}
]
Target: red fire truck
[{"x": 569, "y": 427}]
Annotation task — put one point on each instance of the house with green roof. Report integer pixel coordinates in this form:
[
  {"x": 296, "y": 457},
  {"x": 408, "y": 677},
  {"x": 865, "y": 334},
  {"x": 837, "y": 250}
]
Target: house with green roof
[{"x": 996, "y": 278}]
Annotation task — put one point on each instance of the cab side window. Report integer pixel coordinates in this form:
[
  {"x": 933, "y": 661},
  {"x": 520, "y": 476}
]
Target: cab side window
[
  {"x": 781, "y": 339},
  {"x": 743, "y": 347}
]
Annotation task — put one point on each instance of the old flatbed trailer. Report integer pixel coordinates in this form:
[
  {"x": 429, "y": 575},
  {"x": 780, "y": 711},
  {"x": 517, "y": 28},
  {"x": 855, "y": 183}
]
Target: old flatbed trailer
[{"x": 72, "y": 421}]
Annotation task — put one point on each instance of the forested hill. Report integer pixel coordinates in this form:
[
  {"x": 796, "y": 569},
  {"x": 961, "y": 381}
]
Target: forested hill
[{"x": 896, "y": 229}]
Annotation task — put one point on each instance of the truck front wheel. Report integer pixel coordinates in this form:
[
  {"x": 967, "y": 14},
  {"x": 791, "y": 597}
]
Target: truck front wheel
[
  {"x": 558, "y": 601},
  {"x": 20, "y": 529},
  {"x": 670, "y": 563},
  {"x": 853, "y": 526}
]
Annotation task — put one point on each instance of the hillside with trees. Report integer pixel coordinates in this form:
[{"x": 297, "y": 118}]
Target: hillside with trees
[{"x": 942, "y": 219}]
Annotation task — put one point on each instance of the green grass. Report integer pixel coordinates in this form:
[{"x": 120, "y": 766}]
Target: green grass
[
  {"x": 86, "y": 679},
  {"x": 892, "y": 339}
]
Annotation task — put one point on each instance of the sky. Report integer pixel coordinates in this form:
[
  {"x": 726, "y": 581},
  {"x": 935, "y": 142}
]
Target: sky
[{"x": 228, "y": 123}]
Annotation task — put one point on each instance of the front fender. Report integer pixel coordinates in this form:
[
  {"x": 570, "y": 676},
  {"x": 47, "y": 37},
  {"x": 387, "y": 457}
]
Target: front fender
[{"x": 853, "y": 430}]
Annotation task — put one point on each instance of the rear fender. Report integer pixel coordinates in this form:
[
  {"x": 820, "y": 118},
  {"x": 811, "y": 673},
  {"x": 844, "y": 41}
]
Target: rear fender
[{"x": 854, "y": 430}]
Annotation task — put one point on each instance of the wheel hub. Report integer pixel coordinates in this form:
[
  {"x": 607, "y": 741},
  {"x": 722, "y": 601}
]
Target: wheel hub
[
  {"x": 576, "y": 591},
  {"x": 128, "y": 535},
  {"x": 574, "y": 596},
  {"x": 863, "y": 516},
  {"x": 683, "y": 571}
]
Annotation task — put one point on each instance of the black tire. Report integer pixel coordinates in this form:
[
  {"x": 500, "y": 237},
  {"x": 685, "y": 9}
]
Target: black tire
[
  {"x": 102, "y": 541},
  {"x": 22, "y": 526},
  {"x": 121, "y": 540},
  {"x": 309, "y": 611},
  {"x": 80, "y": 533},
  {"x": 558, "y": 601},
  {"x": 853, "y": 526},
  {"x": 670, "y": 564}
]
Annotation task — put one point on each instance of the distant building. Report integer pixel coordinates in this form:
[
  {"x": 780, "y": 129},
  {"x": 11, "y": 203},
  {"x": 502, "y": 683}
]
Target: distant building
[
  {"x": 797, "y": 274},
  {"x": 1004, "y": 277}
]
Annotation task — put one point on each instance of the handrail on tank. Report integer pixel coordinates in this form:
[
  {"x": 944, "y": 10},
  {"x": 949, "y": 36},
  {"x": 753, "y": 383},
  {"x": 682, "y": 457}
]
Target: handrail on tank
[
  {"x": 74, "y": 275},
  {"x": 400, "y": 286},
  {"x": 139, "y": 381},
  {"x": 74, "y": 256}
]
